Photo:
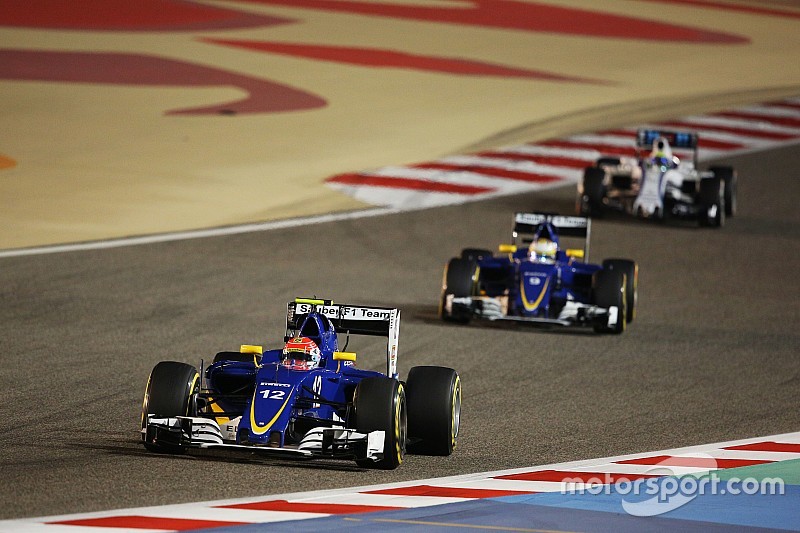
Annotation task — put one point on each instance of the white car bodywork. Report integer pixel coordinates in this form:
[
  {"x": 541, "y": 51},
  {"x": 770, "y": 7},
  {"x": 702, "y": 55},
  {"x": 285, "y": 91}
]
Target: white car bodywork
[{"x": 655, "y": 183}]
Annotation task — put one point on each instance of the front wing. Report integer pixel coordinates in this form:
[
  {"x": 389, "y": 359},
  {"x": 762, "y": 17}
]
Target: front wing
[
  {"x": 494, "y": 309},
  {"x": 181, "y": 433}
]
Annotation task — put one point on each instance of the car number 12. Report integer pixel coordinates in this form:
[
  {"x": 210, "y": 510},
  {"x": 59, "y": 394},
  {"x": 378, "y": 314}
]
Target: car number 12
[{"x": 271, "y": 394}]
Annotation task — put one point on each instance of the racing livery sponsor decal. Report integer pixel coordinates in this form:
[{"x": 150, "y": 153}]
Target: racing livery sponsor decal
[
  {"x": 268, "y": 394},
  {"x": 527, "y": 287},
  {"x": 346, "y": 312}
]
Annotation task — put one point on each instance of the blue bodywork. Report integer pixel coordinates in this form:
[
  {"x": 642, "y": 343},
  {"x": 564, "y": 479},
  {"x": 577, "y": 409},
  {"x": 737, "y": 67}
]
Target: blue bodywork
[
  {"x": 535, "y": 280},
  {"x": 536, "y": 288},
  {"x": 278, "y": 405}
]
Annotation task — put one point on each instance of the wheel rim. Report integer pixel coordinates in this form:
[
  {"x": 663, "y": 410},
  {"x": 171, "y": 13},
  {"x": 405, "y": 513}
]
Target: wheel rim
[
  {"x": 401, "y": 424},
  {"x": 456, "y": 419}
]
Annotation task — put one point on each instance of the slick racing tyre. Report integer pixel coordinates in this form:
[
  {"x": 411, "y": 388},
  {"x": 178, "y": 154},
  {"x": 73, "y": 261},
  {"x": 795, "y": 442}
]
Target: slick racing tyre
[
  {"x": 594, "y": 191},
  {"x": 609, "y": 291},
  {"x": 171, "y": 391},
  {"x": 712, "y": 202},
  {"x": 631, "y": 271},
  {"x": 380, "y": 405},
  {"x": 460, "y": 280},
  {"x": 474, "y": 254},
  {"x": 433, "y": 394},
  {"x": 730, "y": 181}
]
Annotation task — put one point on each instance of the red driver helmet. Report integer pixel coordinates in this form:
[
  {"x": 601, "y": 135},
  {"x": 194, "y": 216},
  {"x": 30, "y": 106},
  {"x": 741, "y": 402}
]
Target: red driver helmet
[{"x": 301, "y": 353}]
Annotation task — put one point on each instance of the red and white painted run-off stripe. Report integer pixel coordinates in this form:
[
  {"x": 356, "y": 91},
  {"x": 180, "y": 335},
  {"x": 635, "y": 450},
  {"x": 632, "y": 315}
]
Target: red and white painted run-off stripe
[
  {"x": 536, "y": 166},
  {"x": 423, "y": 493}
]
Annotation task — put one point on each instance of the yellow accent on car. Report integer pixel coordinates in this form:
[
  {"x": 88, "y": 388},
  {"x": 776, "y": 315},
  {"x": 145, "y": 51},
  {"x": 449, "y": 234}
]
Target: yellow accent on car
[
  {"x": 217, "y": 409},
  {"x": 532, "y": 306},
  {"x": 344, "y": 356},
  {"x": 312, "y": 301},
  {"x": 146, "y": 399},
  {"x": 250, "y": 348},
  {"x": 192, "y": 388},
  {"x": 507, "y": 248},
  {"x": 398, "y": 445},
  {"x": 260, "y": 430},
  {"x": 456, "y": 397},
  {"x": 577, "y": 253}
]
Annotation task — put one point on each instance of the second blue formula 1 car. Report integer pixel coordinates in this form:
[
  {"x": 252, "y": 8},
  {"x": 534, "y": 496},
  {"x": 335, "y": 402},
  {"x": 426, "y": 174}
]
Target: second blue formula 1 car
[
  {"x": 306, "y": 399},
  {"x": 534, "y": 280}
]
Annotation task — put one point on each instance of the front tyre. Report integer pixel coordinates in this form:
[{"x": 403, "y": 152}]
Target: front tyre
[
  {"x": 631, "y": 271},
  {"x": 171, "y": 391},
  {"x": 712, "y": 202},
  {"x": 594, "y": 191},
  {"x": 730, "y": 180},
  {"x": 609, "y": 291},
  {"x": 434, "y": 410},
  {"x": 380, "y": 405},
  {"x": 460, "y": 280}
]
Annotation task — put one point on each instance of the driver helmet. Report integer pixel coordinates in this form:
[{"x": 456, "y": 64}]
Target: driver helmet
[
  {"x": 543, "y": 250},
  {"x": 301, "y": 353},
  {"x": 662, "y": 153}
]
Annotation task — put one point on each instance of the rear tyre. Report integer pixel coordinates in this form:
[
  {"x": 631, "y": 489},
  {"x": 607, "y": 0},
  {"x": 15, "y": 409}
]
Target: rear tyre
[
  {"x": 712, "y": 202},
  {"x": 171, "y": 391},
  {"x": 730, "y": 179},
  {"x": 475, "y": 254},
  {"x": 594, "y": 190},
  {"x": 380, "y": 405},
  {"x": 460, "y": 280},
  {"x": 434, "y": 410},
  {"x": 631, "y": 271},
  {"x": 609, "y": 291}
]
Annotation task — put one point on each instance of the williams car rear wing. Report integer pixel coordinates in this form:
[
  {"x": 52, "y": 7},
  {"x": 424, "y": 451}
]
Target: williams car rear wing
[
  {"x": 354, "y": 320},
  {"x": 526, "y": 224},
  {"x": 683, "y": 140}
]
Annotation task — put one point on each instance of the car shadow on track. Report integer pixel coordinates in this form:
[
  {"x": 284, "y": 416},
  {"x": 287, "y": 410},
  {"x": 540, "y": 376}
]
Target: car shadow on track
[{"x": 429, "y": 315}]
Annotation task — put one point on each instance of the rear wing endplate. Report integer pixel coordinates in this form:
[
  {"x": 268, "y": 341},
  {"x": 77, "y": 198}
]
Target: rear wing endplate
[
  {"x": 354, "y": 320},
  {"x": 567, "y": 226}
]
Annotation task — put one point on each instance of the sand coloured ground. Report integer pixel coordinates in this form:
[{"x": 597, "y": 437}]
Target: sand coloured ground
[{"x": 93, "y": 158}]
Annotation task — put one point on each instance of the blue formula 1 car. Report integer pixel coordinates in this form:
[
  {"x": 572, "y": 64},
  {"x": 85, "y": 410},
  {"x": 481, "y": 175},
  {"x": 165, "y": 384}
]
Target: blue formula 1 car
[
  {"x": 307, "y": 399},
  {"x": 535, "y": 281}
]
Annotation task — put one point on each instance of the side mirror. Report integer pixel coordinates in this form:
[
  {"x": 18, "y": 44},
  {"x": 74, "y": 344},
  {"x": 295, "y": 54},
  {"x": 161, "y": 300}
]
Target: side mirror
[
  {"x": 344, "y": 356},
  {"x": 576, "y": 253},
  {"x": 249, "y": 348},
  {"x": 507, "y": 248}
]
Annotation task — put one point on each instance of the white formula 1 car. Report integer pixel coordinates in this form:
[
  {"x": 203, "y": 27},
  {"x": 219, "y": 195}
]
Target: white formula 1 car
[{"x": 659, "y": 184}]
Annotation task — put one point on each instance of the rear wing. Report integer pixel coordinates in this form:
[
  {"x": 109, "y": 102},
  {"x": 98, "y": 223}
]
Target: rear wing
[
  {"x": 353, "y": 320},
  {"x": 683, "y": 140},
  {"x": 678, "y": 140},
  {"x": 525, "y": 225}
]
